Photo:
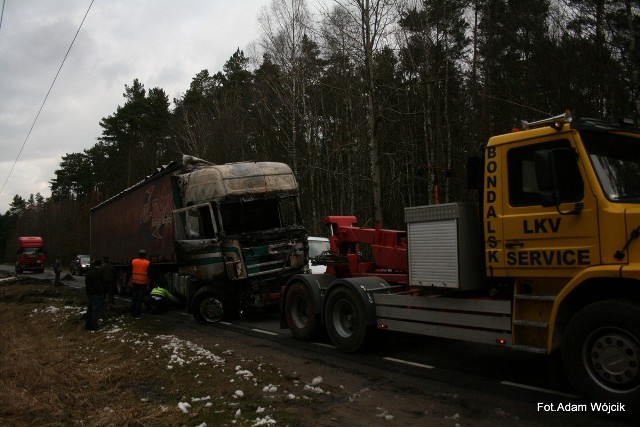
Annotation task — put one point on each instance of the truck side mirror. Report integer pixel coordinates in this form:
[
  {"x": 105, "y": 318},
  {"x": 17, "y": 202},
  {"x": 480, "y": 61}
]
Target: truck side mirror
[{"x": 558, "y": 178}]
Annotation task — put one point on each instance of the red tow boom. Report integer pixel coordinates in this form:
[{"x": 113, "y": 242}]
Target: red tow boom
[{"x": 388, "y": 250}]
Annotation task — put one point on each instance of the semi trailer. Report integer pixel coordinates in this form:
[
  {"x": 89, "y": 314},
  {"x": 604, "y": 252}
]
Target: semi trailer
[{"x": 223, "y": 237}]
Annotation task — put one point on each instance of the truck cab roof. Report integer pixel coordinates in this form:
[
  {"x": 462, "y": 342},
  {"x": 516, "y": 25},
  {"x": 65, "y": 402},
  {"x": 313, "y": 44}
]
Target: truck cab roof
[
  {"x": 30, "y": 242},
  {"x": 238, "y": 181},
  {"x": 563, "y": 125}
]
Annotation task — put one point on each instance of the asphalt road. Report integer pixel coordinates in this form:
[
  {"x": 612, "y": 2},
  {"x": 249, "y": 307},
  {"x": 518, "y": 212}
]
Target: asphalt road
[{"x": 501, "y": 373}]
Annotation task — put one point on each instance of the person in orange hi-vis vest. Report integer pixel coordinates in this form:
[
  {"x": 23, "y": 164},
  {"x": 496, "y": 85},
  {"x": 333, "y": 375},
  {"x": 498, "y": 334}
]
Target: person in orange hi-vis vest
[{"x": 139, "y": 282}]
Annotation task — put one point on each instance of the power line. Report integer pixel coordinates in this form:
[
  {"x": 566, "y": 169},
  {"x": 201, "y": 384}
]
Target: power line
[
  {"x": 46, "y": 96},
  {"x": 2, "y": 13}
]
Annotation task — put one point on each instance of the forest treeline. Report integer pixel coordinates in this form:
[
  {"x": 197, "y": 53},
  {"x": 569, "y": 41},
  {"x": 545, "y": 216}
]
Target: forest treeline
[{"x": 375, "y": 104}]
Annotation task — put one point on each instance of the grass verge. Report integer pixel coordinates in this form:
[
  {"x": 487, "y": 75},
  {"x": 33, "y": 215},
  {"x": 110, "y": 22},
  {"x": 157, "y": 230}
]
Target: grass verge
[{"x": 53, "y": 372}]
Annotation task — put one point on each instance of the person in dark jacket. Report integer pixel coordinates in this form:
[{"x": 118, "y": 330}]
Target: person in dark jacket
[
  {"x": 57, "y": 269},
  {"x": 108, "y": 279},
  {"x": 95, "y": 295}
]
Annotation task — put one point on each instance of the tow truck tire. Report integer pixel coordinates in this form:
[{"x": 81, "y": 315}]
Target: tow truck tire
[
  {"x": 345, "y": 319},
  {"x": 210, "y": 306},
  {"x": 300, "y": 312},
  {"x": 601, "y": 351}
]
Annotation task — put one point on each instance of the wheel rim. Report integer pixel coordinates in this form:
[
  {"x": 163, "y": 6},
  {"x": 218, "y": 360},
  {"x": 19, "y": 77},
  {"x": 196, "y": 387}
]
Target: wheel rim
[
  {"x": 612, "y": 358},
  {"x": 344, "y": 318},
  {"x": 212, "y": 309},
  {"x": 299, "y": 314}
]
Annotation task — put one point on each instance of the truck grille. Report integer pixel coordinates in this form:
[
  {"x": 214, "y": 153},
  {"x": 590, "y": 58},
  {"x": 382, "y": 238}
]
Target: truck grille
[{"x": 273, "y": 258}]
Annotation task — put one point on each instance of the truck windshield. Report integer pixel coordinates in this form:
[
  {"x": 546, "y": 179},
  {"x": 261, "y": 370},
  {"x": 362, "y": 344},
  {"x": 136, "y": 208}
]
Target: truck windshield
[
  {"x": 258, "y": 215},
  {"x": 616, "y": 161},
  {"x": 30, "y": 251}
]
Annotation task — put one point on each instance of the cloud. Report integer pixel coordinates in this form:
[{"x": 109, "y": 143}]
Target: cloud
[{"x": 162, "y": 43}]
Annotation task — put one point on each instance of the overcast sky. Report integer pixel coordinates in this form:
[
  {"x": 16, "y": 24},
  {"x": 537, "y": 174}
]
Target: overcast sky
[{"x": 162, "y": 43}]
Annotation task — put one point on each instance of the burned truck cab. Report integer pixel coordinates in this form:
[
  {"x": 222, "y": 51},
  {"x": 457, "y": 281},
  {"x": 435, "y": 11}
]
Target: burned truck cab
[{"x": 238, "y": 236}]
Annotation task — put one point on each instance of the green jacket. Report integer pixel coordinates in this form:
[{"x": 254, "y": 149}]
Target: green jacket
[{"x": 164, "y": 293}]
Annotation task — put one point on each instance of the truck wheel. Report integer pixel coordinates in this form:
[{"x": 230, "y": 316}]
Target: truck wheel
[
  {"x": 209, "y": 306},
  {"x": 344, "y": 316},
  {"x": 300, "y": 312},
  {"x": 601, "y": 351}
]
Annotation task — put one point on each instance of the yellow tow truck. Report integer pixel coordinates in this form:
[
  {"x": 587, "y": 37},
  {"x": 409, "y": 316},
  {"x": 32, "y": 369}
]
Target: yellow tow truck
[{"x": 547, "y": 260}]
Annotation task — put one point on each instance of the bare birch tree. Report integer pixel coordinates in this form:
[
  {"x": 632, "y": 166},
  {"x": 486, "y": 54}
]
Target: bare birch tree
[
  {"x": 284, "y": 24},
  {"x": 373, "y": 24}
]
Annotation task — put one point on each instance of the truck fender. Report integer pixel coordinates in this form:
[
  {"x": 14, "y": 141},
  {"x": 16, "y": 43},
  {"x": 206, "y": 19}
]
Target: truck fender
[
  {"x": 317, "y": 284},
  {"x": 362, "y": 286}
]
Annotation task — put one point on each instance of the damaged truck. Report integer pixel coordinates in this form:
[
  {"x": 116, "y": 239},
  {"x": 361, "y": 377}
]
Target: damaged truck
[{"x": 225, "y": 238}]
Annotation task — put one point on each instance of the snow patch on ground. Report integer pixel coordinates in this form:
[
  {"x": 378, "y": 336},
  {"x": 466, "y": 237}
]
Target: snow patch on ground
[{"x": 181, "y": 353}]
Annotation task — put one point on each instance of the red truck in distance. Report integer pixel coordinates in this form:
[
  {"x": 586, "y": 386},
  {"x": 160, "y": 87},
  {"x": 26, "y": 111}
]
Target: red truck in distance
[{"x": 31, "y": 255}]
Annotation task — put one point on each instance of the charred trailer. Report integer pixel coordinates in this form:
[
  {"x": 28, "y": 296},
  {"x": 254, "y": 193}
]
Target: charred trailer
[{"x": 223, "y": 237}]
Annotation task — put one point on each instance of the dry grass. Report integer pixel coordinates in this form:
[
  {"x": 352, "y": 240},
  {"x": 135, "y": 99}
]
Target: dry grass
[{"x": 53, "y": 372}]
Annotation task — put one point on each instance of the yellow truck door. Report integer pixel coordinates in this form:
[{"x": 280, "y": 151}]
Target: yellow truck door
[{"x": 541, "y": 240}]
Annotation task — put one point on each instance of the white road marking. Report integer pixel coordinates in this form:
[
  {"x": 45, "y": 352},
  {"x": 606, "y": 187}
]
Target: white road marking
[
  {"x": 262, "y": 331},
  {"x": 544, "y": 390},
  {"x": 321, "y": 344},
  {"x": 407, "y": 362}
]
